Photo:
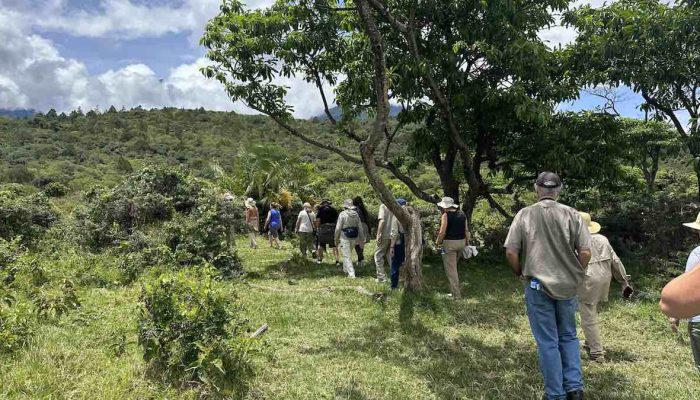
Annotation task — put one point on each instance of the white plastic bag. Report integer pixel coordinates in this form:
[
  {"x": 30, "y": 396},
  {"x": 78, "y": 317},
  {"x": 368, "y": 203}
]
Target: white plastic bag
[{"x": 469, "y": 252}]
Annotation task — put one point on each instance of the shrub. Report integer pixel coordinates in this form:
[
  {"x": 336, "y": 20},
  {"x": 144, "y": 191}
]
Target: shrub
[
  {"x": 190, "y": 331},
  {"x": 55, "y": 189},
  {"x": 15, "y": 315},
  {"x": 23, "y": 214},
  {"x": 151, "y": 195},
  {"x": 52, "y": 303},
  {"x": 207, "y": 235}
]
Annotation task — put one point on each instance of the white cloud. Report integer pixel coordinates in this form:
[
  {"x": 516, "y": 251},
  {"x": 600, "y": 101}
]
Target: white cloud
[
  {"x": 122, "y": 19},
  {"x": 33, "y": 74}
]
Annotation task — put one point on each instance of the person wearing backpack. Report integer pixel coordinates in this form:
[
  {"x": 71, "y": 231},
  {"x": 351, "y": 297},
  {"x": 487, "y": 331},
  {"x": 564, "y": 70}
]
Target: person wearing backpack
[
  {"x": 305, "y": 229},
  {"x": 348, "y": 232},
  {"x": 274, "y": 224}
]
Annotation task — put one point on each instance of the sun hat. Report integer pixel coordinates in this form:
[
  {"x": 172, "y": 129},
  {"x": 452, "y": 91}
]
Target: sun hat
[
  {"x": 249, "y": 202},
  {"x": 593, "y": 227},
  {"x": 447, "y": 202},
  {"x": 228, "y": 196},
  {"x": 548, "y": 180},
  {"x": 694, "y": 225},
  {"x": 347, "y": 203},
  {"x": 401, "y": 201}
]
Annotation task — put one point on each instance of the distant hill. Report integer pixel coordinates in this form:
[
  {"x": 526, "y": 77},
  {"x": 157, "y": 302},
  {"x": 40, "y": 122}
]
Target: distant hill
[
  {"x": 337, "y": 113},
  {"x": 17, "y": 113}
]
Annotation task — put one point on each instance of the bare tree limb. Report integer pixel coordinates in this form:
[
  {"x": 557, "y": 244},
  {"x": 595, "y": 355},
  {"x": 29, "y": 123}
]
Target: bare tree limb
[
  {"x": 668, "y": 111},
  {"x": 319, "y": 85}
]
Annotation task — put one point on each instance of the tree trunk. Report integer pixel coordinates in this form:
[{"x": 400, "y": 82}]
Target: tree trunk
[{"x": 408, "y": 217}]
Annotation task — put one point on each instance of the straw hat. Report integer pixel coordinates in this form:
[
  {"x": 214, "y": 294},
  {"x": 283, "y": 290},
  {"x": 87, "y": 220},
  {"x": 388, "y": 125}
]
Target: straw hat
[
  {"x": 694, "y": 225},
  {"x": 250, "y": 203},
  {"x": 228, "y": 196},
  {"x": 593, "y": 227},
  {"x": 447, "y": 202}
]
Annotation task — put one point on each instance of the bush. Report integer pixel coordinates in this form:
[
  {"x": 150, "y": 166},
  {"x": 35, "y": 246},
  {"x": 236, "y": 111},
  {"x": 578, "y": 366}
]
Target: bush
[
  {"x": 52, "y": 303},
  {"x": 23, "y": 214},
  {"x": 153, "y": 194},
  {"x": 207, "y": 235},
  {"x": 191, "y": 332},
  {"x": 55, "y": 189},
  {"x": 16, "y": 317}
]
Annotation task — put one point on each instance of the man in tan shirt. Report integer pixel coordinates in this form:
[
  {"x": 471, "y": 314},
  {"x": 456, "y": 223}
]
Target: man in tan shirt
[
  {"x": 555, "y": 245},
  {"x": 604, "y": 265}
]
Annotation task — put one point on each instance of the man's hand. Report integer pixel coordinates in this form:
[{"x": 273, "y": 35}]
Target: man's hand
[
  {"x": 391, "y": 251},
  {"x": 627, "y": 290},
  {"x": 673, "y": 323}
]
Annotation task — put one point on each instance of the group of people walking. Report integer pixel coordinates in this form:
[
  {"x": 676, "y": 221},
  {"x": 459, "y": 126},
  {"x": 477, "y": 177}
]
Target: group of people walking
[
  {"x": 322, "y": 229},
  {"x": 565, "y": 264}
]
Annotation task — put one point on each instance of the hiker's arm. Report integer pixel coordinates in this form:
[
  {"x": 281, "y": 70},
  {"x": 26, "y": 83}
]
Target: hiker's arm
[
  {"x": 267, "y": 220},
  {"x": 513, "y": 256},
  {"x": 467, "y": 235},
  {"x": 584, "y": 256},
  {"x": 680, "y": 298},
  {"x": 380, "y": 229},
  {"x": 443, "y": 229},
  {"x": 296, "y": 228}
]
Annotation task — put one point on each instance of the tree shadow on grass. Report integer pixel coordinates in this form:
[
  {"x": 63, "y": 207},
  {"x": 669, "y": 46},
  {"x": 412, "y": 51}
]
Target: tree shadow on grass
[{"x": 466, "y": 366}]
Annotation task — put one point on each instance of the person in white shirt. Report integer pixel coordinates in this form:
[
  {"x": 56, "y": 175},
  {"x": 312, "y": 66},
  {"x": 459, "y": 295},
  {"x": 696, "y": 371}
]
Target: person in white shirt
[
  {"x": 305, "y": 229},
  {"x": 348, "y": 231},
  {"x": 694, "y": 322}
]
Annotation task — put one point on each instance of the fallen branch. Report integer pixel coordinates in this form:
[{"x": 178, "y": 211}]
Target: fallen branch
[{"x": 260, "y": 331}]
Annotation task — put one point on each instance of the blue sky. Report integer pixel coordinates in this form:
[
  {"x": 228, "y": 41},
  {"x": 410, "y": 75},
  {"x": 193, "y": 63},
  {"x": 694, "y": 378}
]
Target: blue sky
[{"x": 65, "y": 54}]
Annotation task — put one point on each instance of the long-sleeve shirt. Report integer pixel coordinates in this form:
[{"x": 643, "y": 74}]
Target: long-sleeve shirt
[
  {"x": 604, "y": 265},
  {"x": 349, "y": 219}
]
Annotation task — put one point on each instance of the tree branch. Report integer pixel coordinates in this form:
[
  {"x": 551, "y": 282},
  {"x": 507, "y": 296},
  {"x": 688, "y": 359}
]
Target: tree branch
[
  {"x": 319, "y": 85},
  {"x": 494, "y": 204},
  {"x": 668, "y": 111}
]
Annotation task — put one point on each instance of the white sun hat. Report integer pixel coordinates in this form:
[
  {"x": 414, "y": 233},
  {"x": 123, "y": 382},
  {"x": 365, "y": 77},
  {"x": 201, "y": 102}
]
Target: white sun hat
[{"x": 447, "y": 202}]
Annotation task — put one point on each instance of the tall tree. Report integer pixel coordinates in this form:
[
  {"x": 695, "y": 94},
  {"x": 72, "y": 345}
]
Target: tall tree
[
  {"x": 473, "y": 75},
  {"x": 652, "y": 47}
]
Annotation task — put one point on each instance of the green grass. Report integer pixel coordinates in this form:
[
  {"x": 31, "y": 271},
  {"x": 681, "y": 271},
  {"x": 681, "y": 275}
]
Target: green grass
[{"x": 328, "y": 341}]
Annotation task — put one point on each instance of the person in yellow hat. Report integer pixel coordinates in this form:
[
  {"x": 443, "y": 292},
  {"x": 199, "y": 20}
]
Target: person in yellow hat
[{"x": 604, "y": 265}]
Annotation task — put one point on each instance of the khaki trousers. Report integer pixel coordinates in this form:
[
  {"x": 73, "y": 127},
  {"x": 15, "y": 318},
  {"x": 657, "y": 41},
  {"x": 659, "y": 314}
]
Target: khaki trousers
[
  {"x": 591, "y": 328},
  {"x": 306, "y": 242},
  {"x": 382, "y": 253},
  {"x": 453, "y": 251},
  {"x": 252, "y": 237}
]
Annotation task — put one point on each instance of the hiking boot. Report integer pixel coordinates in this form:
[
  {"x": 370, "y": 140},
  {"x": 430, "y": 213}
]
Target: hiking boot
[
  {"x": 577, "y": 395},
  {"x": 318, "y": 261},
  {"x": 338, "y": 264},
  {"x": 599, "y": 358}
]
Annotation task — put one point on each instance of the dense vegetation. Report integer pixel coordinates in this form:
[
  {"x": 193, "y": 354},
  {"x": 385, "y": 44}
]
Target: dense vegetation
[{"x": 120, "y": 203}]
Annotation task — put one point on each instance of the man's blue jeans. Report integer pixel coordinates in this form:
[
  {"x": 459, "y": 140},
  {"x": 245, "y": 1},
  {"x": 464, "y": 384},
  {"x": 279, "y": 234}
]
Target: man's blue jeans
[
  {"x": 553, "y": 324},
  {"x": 396, "y": 261}
]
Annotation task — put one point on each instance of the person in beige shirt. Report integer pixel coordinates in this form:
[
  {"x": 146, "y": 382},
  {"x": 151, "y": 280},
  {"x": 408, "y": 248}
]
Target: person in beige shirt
[
  {"x": 555, "y": 245},
  {"x": 604, "y": 266}
]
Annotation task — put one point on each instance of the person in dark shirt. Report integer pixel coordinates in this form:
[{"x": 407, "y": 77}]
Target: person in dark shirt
[{"x": 326, "y": 219}]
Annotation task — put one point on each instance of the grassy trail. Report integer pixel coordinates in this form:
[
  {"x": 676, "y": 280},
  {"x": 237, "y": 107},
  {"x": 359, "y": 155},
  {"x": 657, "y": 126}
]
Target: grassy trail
[{"x": 328, "y": 341}]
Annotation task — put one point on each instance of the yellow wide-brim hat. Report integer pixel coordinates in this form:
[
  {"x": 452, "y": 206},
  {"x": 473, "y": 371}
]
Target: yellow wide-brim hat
[
  {"x": 593, "y": 227},
  {"x": 694, "y": 225}
]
